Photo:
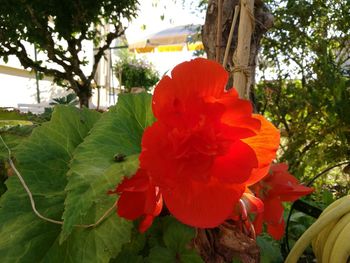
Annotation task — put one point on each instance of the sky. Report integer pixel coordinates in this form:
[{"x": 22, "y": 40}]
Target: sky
[{"x": 156, "y": 15}]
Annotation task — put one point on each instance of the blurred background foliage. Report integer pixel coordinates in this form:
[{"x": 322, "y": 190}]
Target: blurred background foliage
[
  {"x": 305, "y": 90},
  {"x": 135, "y": 73}
]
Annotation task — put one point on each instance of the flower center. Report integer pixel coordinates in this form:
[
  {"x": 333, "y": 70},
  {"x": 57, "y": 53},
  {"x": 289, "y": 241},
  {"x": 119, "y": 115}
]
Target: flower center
[{"x": 195, "y": 149}]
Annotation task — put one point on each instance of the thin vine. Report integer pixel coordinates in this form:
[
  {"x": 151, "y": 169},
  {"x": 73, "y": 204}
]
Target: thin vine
[{"x": 32, "y": 201}]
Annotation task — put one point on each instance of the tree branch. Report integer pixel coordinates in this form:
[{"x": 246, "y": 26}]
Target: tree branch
[
  {"x": 109, "y": 38},
  {"x": 26, "y": 62},
  {"x": 49, "y": 43},
  {"x": 325, "y": 171},
  {"x": 74, "y": 60}
]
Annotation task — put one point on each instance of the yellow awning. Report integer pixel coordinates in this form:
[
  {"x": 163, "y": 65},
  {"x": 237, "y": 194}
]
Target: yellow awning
[
  {"x": 170, "y": 48},
  {"x": 174, "y": 39},
  {"x": 142, "y": 49}
]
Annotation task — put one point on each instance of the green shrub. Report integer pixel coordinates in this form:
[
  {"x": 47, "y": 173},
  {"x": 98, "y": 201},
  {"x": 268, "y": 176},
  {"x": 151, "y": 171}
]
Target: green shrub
[{"x": 136, "y": 73}]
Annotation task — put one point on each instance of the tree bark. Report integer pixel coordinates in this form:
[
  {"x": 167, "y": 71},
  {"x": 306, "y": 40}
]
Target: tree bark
[
  {"x": 263, "y": 21},
  {"x": 226, "y": 243},
  {"x": 84, "y": 93}
]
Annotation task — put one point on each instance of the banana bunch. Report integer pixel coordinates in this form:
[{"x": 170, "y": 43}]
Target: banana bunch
[{"x": 329, "y": 235}]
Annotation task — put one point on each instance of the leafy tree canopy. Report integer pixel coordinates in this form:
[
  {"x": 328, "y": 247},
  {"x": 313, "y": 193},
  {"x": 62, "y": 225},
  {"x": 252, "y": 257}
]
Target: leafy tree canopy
[
  {"x": 58, "y": 28},
  {"x": 308, "y": 97}
]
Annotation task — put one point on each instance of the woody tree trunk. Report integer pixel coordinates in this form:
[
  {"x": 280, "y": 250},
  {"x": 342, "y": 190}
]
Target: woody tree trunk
[
  {"x": 261, "y": 20},
  {"x": 229, "y": 241}
]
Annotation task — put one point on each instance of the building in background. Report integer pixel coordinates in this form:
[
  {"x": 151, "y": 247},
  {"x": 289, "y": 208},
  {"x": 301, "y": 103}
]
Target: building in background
[{"x": 20, "y": 87}]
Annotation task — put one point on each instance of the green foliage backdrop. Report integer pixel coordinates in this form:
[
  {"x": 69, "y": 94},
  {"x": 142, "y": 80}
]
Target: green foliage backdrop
[{"x": 308, "y": 94}]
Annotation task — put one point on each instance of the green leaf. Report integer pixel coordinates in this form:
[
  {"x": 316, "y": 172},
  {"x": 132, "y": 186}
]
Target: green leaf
[
  {"x": 155, "y": 233},
  {"x": 130, "y": 250},
  {"x": 177, "y": 236},
  {"x": 137, "y": 242},
  {"x": 190, "y": 256},
  {"x": 12, "y": 115},
  {"x": 269, "y": 248},
  {"x": 161, "y": 255},
  {"x": 5, "y": 59},
  {"x": 43, "y": 162},
  {"x": 93, "y": 170},
  {"x": 127, "y": 258},
  {"x": 12, "y": 136},
  {"x": 297, "y": 217},
  {"x": 327, "y": 197},
  {"x": 177, "y": 239}
]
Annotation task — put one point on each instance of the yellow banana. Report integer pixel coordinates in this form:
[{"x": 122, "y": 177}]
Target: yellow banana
[{"x": 323, "y": 227}]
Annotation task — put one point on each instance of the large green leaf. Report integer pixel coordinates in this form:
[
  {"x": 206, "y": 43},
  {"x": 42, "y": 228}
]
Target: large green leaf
[
  {"x": 12, "y": 136},
  {"x": 269, "y": 248},
  {"x": 94, "y": 171},
  {"x": 132, "y": 251},
  {"x": 43, "y": 162},
  {"x": 12, "y": 115},
  {"x": 176, "y": 235},
  {"x": 174, "y": 245},
  {"x": 161, "y": 255}
]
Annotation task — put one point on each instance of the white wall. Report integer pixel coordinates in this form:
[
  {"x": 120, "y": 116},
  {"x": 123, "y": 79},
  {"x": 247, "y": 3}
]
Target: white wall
[
  {"x": 18, "y": 85},
  {"x": 16, "y": 90}
]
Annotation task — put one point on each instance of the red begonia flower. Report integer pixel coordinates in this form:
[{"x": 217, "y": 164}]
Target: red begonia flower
[
  {"x": 277, "y": 187},
  {"x": 139, "y": 198},
  {"x": 205, "y": 147}
]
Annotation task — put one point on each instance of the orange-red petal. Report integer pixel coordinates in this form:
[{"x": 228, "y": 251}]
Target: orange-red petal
[
  {"x": 258, "y": 223},
  {"x": 199, "y": 77},
  {"x": 189, "y": 81},
  {"x": 284, "y": 185},
  {"x": 131, "y": 205},
  {"x": 276, "y": 230},
  {"x": 273, "y": 211},
  {"x": 202, "y": 205},
  {"x": 139, "y": 198},
  {"x": 146, "y": 223},
  {"x": 265, "y": 145},
  {"x": 236, "y": 165},
  {"x": 156, "y": 155}
]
